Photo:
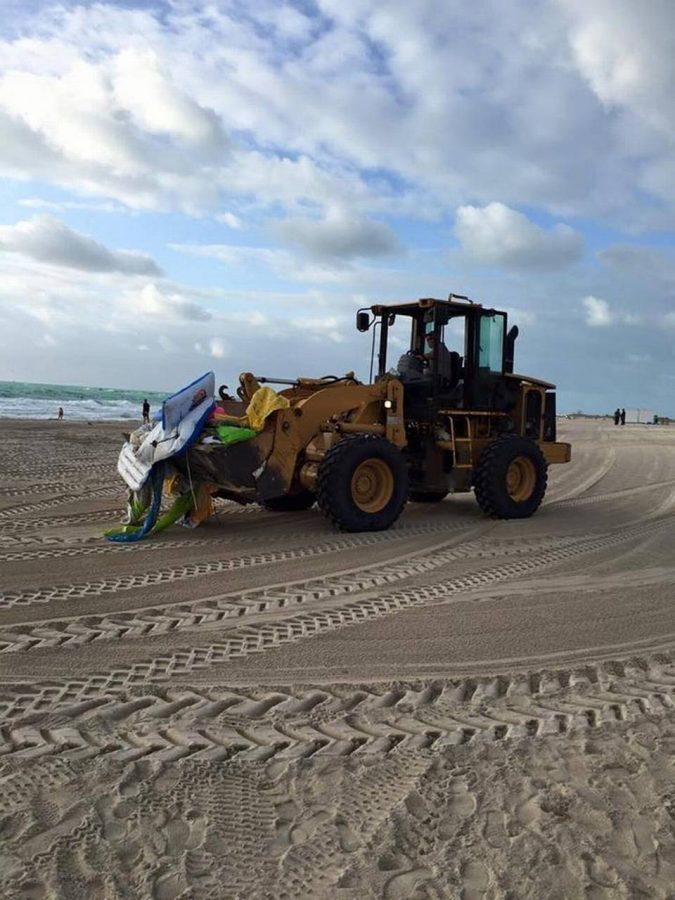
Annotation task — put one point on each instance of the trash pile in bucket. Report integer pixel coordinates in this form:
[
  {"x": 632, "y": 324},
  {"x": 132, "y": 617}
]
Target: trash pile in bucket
[{"x": 147, "y": 460}]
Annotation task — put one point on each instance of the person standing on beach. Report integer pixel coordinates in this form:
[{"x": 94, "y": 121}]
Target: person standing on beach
[
  {"x": 60, "y": 415},
  {"x": 146, "y": 412},
  {"x": 617, "y": 416},
  {"x": 623, "y": 416}
]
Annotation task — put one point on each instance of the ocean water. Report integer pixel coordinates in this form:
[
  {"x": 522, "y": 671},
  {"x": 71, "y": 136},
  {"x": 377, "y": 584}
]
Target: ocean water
[{"x": 23, "y": 400}]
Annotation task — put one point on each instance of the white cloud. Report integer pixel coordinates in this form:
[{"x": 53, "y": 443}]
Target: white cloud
[
  {"x": 167, "y": 344},
  {"x": 152, "y": 301},
  {"x": 234, "y": 254},
  {"x": 626, "y": 51},
  {"x": 651, "y": 269},
  {"x": 229, "y": 219},
  {"x": 281, "y": 262},
  {"x": 267, "y": 180},
  {"x": 215, "y": 347},
  {"x": 293, "y": 267},
  {"x": 145, "y": 91},
  {"x": 48, "y": 240},
  {"x": 497, "y": 235},
  {"x": 218, "y": 348},
  {"x": 117, "y": 126},
  {"x": 355, "y": 102},
  {"x": 319, "y": 328},
  {"x": 61, "y": 205},
  {"x": 339, "y": 236},
  {"x": 101, "y": 329},
  {"x": 598, "y": 312}
]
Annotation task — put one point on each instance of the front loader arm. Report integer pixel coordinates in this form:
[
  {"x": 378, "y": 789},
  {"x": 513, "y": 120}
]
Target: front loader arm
[{"x": 321, "y": 418}]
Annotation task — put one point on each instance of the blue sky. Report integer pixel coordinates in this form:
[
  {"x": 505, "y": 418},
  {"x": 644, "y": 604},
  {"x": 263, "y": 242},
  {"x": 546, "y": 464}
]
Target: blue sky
[{"x": 189, "y": 185}]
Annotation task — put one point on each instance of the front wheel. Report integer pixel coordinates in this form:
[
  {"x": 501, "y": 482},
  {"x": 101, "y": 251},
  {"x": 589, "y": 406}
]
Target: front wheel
[
  {"x": 362, "y": 483},
  {"x": 510, "y": 479}
]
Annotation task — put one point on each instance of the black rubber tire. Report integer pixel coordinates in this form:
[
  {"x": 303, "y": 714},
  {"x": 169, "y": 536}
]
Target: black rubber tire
[
  {"x": 291, "y": 502},
  {"x": 334, "y": 479},
  {"x": 427, "y": 496},
  {"x": 489, "y": 478}
]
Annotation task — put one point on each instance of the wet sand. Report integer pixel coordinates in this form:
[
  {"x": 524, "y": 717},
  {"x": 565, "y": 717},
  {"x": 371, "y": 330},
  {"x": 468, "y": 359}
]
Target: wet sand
[{"x": 263, "y": 707}]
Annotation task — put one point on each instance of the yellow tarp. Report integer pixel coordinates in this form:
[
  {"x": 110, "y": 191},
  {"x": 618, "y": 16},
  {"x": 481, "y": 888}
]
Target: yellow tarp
[{"x": 264, "y": 402}]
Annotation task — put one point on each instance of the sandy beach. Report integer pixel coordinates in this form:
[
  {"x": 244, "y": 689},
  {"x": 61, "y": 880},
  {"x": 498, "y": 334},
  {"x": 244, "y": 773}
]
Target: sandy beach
[{"x": 263, "y": 707}]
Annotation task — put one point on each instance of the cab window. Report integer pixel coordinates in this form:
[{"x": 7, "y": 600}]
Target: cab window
[{"x": 491, "y": 340}]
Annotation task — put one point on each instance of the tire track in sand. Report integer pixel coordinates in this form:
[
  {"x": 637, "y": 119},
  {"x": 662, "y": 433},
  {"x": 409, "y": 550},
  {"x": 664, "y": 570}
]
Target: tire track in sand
[
  {"x": 156, "y": 619},
  {"x": 60, "y": 500},
  {"x": 284, "y": 724},
  {"x": 100, "y": 516},
  {"x": 590, "y": 481},
  {"x": 94, "y": 546},
  {"x": 260, "y": 637},
  {"x": 612, "y": 495},
  {"x": 188, "y": 571}
]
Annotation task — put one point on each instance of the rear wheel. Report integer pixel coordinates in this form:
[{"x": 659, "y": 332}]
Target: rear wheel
[
  {"x": 427, "y": 496},
  {"x": 291, "y": 502},
  {"x": 362, "y": 484},
  {"x": 510, "y": 479}
]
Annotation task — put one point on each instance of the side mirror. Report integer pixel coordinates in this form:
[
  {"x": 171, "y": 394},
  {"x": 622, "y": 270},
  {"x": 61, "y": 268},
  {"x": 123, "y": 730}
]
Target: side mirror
[{"x": 362, "y": 321}]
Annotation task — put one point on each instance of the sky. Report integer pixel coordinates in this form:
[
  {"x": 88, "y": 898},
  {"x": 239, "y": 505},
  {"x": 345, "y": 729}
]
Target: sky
[{"x": 188, "y": 185}]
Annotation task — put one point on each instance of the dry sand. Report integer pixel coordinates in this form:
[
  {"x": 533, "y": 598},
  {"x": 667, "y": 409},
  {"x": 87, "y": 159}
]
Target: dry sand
[{"x": 265, "y": 708}]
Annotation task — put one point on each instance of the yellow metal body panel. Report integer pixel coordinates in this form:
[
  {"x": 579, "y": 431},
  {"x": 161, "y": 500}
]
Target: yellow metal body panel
[
  {"x": 338, "y": 408},
  {"x": 556, "y": 452}
]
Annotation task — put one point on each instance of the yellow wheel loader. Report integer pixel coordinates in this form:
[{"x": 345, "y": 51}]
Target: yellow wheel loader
[{"x": 432, "y": 422}]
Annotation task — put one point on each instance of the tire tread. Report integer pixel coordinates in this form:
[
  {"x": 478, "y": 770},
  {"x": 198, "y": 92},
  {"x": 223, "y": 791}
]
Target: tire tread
[
  {"x": 329, "y": 476},
  {"x": 490, "y": 494}
]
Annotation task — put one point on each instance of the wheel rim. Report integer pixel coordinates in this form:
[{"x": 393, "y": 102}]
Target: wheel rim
[
  {"x": 521, "y": 477},
  {"x": 372, "y": 485}
]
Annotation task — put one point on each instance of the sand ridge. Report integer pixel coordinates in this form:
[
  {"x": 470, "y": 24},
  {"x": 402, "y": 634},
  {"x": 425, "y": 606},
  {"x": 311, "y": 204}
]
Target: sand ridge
[{"x": 265, "y": 708}]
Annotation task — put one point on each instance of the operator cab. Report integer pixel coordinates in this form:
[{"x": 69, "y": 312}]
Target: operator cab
[{"x": 458, "y": 355}]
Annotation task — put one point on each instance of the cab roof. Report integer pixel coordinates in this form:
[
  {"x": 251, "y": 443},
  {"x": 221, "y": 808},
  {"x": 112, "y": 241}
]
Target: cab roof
[{"x": 413, "y": 306}]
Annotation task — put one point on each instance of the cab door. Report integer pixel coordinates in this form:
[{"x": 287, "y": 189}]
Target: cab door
[{"x": 489, "y": 358}]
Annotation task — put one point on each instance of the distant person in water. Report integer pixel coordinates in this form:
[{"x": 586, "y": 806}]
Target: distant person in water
[
  {"x": 623, "y": 416},
  {"x": 617, "y": 416},
  {"x": 146, "y": 412},
  {"x": 60, "y": 415}
]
